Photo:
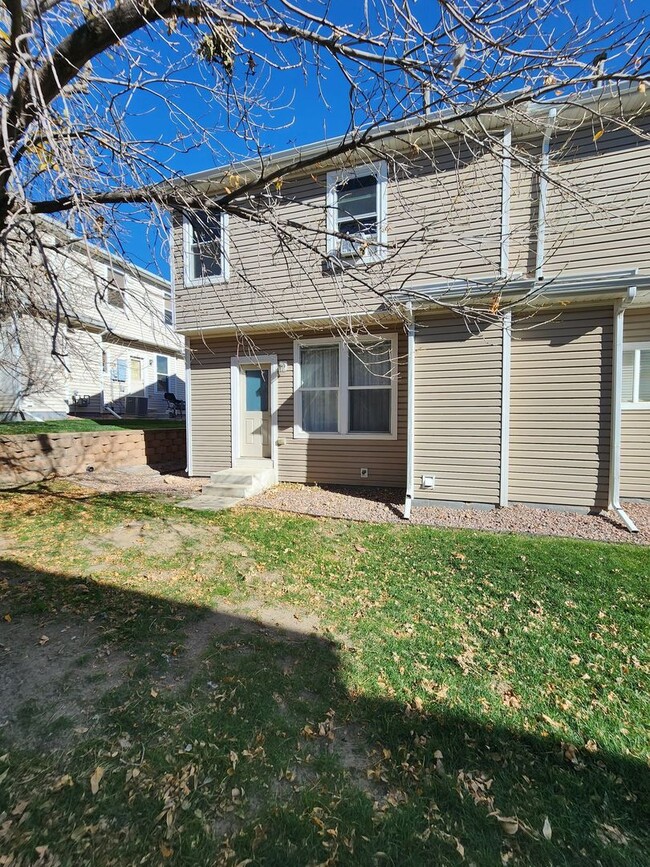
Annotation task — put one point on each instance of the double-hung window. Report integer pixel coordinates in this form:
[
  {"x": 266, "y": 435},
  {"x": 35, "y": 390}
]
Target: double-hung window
[
  {"x": 356, "y": 213},
  {"x": 345, "y": 388},
  {"x": 636, "y": 376},
  {"x": 205, "y": 247},
  {"x": 115, "y": 287}
]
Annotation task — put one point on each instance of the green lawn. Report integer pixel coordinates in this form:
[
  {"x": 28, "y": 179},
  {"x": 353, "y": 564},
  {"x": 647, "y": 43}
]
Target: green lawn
[
  {"x": 80, "y": 425},
  {"x": 466, "y": 698}
]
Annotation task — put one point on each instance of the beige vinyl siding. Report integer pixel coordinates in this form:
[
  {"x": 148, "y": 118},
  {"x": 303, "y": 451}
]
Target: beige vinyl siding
[
  {"x": 454, "y": 193},
  {"x": 560, "y": 408},
  {"x": 457, "y": 420},
  {"x": 635, "y": 423},
  {"x": 598, "y": 213},
  {"x": 328, "y": 461}
]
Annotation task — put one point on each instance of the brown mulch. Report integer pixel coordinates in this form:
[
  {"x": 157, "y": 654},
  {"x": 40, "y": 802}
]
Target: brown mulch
[{"x": 385, "y": 505}]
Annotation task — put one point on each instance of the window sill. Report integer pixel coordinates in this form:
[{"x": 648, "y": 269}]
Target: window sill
[
  {"x": 641, "y": 405},
  {"x": 304, "y": 435},
  {"x": 204, "y": 281},
  {"x": 345, "y": 262}
]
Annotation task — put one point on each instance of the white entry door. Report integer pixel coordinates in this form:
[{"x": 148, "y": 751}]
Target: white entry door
[
  {"x": 136, "y": 385},
  {"x": 255, "y": 411}
]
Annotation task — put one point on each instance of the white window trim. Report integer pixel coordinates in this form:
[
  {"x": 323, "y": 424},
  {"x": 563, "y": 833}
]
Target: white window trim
[
  {"x": 343, "y": 387},
  {"x": 635, "y": 403},
  {"x": 189, "y": 280},
  {"x": 334, "y": 179}
]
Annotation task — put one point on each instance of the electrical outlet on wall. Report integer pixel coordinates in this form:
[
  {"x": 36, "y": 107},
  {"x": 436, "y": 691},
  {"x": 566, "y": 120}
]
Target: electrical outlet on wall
[{"x": 364, "y": 472}]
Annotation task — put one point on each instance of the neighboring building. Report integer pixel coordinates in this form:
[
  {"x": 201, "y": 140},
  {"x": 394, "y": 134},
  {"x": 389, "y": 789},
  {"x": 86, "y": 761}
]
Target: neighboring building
[
  {"x": 318, "y": 369},
  {"x": 119, "y": 346}
]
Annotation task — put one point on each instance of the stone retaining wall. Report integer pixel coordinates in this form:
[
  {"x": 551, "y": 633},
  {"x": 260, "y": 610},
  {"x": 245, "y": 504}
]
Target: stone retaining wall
[{"x": 31, "y": 457}]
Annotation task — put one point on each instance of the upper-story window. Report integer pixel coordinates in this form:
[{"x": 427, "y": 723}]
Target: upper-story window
[
  {"x": 205, "y": 247},
  {"x": 115, "y": 287},
  {"x": 345, "y": 389},
  {"x": 636, "y": 376},
  {"x": 356, "y": 213}
]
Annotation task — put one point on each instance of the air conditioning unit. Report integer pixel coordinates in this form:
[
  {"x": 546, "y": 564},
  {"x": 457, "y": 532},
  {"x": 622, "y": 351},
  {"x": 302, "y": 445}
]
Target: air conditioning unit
[
  {"x": 138, "y": 406},
  {"x": 348, "y": 247}
]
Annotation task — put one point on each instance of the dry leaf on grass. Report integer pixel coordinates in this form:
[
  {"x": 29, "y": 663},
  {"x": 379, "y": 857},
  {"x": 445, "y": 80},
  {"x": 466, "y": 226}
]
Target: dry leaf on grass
[
  {"x": 509, "y": 824},
  {"x": 62, "y": 782},
  {"x": 96, "y": 778},
  {"x": 547, "y": 831}
]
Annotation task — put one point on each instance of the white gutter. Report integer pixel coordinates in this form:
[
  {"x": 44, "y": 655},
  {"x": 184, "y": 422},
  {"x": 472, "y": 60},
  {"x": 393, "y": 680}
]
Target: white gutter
[
  {"x": 619, "y": 96},
  {"x": 506, "y": 353},
  {"x": 543, "y": 196},
  {"x": 188, "y": 407},
  {"x": 617, "y": 389},
  {"x": 505, "y": 202},
  {"x": 593, "y": 286},
  {"x": 410, "y": 409}
]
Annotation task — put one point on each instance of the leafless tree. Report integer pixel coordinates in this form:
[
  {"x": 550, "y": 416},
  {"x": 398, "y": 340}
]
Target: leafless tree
[{"x": 87, "y": 84}]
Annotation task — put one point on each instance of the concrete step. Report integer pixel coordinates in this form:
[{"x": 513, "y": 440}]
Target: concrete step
[
  {"x": 210, "y": 503},
  {"x": 244, "y": 476},
  {"x": 227, "y": 488},
  {"x": 230, "y": 490},
  {"x": 231, "y": 477}
]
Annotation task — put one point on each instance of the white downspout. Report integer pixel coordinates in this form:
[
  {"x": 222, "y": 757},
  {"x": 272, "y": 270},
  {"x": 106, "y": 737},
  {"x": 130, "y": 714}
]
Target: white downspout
[
  {"x": 506, "y": 354},
  {"x": 188, "y": 406},
  {"x": 540, "y": 248},
  {"x": 617, "y": 389},
  {"x": 410, "y": 409},
  {"x": 505, "y": 202}
]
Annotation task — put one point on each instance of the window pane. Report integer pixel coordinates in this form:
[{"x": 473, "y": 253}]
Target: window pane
[
  {"x": 370, "y": 410},
  {"x": 355, "y": 205},
  {"x": 206, "y": 227},
  {"x": 644, "y": 375},
  {"x": 319, "y": 366},
  {"x": 162, "y": 381},
  {"x": 357, "y": 196},
  {"x": 628, "y": 376},
  {"x": 207, "y": 261},
  {"x": 206, "y": 244},
  {"x": 257, "y": 391},
  {"x": 370, "y": 365},
  {"x": 320, "y": 412}
]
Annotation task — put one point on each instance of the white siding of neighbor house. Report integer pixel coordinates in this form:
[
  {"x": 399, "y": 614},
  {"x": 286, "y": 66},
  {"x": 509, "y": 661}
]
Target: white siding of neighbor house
[{"x": 116, "y": 392}]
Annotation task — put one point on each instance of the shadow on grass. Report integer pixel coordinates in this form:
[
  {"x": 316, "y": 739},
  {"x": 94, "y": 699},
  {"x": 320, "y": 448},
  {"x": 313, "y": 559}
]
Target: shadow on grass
[{"x": 221, "y": 737}]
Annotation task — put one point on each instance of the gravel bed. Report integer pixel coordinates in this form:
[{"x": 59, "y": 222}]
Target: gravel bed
[
  {"x": 385, "y": 505},
  {"x": 161, "y": 479}
]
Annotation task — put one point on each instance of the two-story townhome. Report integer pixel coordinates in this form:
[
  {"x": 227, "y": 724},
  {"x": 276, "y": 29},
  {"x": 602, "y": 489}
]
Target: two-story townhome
[
  {"x": 460, "y": 308},
  {"x": 118, "y": 350}
]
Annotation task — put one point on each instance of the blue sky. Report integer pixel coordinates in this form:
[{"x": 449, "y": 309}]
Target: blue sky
[{"x": 310, "y": 107}]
